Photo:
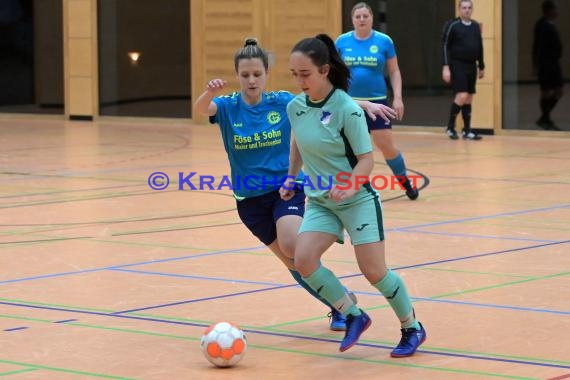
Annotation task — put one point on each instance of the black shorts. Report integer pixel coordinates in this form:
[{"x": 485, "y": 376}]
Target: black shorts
[
  {"x": 550, "y": 75},
  {"x": 379, "y": 123},
  {"x": 260, "y": 214},
  {"x": 463, "y": 76}
]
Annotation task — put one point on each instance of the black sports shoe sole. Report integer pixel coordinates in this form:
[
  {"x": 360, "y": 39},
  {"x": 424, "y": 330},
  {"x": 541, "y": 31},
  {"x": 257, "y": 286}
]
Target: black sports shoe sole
[{"x": 413, "y": 194}]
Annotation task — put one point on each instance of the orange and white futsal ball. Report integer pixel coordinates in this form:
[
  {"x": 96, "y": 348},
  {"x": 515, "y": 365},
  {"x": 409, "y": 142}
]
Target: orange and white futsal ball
[{"x": 223, "y": 344}]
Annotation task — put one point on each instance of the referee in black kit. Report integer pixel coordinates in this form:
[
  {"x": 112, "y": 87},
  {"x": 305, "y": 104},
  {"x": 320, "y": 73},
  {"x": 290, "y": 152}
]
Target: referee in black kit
[{"x": 462, "y": 56}]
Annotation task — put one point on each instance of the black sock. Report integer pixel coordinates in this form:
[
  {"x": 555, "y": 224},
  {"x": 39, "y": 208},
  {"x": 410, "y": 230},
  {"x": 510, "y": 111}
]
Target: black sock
[
  {"x": 405, "y": 182},
  {"x": 455, "y": 108},
  {"x": 546, "y": 106},
  {"x": 466, "y": 113},
  {"x": 552, "y": 103}
]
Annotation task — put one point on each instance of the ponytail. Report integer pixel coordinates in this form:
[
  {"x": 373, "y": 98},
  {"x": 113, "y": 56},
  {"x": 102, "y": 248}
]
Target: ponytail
[{"x": 322, "y": 51}]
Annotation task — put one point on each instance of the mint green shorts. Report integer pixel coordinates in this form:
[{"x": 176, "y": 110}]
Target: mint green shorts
[{"x": 361, "y": 217}]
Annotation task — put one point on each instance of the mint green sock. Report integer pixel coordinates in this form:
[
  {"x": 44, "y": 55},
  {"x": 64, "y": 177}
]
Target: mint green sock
[
  {"x": 395, "y": 292},
  {"x": 325, "y": 283}
]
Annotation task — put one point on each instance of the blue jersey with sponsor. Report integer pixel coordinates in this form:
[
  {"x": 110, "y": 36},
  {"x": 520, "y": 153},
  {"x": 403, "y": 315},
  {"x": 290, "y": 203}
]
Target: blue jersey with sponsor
[
  {"x": 257, "y": 140},
  {"x": 366, "y": 60}
]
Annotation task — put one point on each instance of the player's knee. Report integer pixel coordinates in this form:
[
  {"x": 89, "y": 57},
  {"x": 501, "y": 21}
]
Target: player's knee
[
  {"x": 461, "y": 97},
  {"x": 305, "y": 263},
  {"x": 287, "y": 247},
  {"x": 374, "y": 275}
]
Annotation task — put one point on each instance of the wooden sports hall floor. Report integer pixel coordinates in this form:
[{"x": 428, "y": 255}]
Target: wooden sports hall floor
[{"x": 103, "y": 277}]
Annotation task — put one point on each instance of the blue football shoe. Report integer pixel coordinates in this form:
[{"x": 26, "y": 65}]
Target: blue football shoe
[
  {"x": 337, "y": 320},
  {"x": 355, "y": 326},
  {"x": 411, "y": 340}
]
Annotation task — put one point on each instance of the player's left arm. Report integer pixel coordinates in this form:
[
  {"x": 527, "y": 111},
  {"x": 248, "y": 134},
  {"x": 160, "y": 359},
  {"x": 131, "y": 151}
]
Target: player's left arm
[
  {"x": 396, "y": 82},
  {"x": 356, "y": 133},
  {"x": 480, "y": 58},
  {"x": 360, "y": 175}
]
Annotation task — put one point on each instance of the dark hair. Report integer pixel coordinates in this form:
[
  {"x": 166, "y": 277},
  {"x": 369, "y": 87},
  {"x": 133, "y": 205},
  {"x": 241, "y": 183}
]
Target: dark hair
[
  {"x": 322, "y": 51},
  {"x": 251, "y": 50},
  {"x": 547, "y": 6},
  {"x": 362, "y": 4}
]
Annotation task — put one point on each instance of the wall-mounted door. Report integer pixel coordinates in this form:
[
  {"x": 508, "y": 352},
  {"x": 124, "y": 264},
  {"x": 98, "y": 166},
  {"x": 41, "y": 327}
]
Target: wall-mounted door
[
  {"x": 144, "y": 58},
  {"x": 31, "y": 56}
]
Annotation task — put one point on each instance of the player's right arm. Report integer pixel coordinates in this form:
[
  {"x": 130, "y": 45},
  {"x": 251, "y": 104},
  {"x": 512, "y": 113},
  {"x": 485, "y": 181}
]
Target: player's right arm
[
  {"x": 204, "y": 104},
  {"x": 295, "y": 163},
  {"x": 446, "y": 74}
]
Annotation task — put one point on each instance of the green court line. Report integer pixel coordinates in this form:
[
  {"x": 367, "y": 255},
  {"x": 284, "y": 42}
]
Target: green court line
[
  {"x": 128, "y": 243},
  {"x": 64, "y": 370},
  {"x": 307, "y": 353},
  {"x": 501, "y": 285},
  {"x": 155, "y": 245},
  {"x": 18, "y": 371},
  {"x": 438, "y": 296},
  {"x": 96, "y": 196},
  {"x": 503, "y": 222},
  {"x": 400, "y": 364},
  {"x": 277, "y": 330},
  {"x": 77, "y": 199},
  {"x": 177, "y": 227},
  {"x": 138, "y": 218},
  {"x": 7, "y": 316},
  {"x": 467, "y": 272},
  {"x": 53, "y": 239},
  {"x": 57, "y": 305}
]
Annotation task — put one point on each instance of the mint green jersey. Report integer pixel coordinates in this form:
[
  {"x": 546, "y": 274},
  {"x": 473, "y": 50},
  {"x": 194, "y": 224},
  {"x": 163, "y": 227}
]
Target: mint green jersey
[{"x": 330, "y": 135}]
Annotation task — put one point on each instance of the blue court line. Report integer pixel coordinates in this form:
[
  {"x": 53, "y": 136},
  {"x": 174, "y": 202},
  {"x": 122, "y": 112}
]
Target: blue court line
[
  {"x": 490, "y": 305},
  {"x": 350, "y": 276},
  {"x": 476, "y": 256},
  {"x": 476, "y": 304},
  {"x": 15, "y": 329},
  {"x": 282, "y": 286},
  {"x": 197, "y": 277},
  {"x": 258, "y": 247},
  {"x": 492, "y": 216},
  {"x": 412, "y": 230},
  {"x": 203, "y": 299},
  {"x": 56, "y": 192},
  {"x": 128, "y": 265},
  {"x": 294, "y": 336},
  {"x": 66, "y": 321}
]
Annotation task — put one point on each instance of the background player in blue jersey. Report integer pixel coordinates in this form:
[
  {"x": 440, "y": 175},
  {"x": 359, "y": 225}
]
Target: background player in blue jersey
[
  {"x": 366, "y": 52},
  {"x": 330, "y": 137},
  {"x": 256, "y": 135}
]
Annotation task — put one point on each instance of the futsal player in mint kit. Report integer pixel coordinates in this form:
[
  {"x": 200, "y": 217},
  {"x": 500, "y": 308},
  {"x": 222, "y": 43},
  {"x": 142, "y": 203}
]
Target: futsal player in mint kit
[
  {"x": 330, "y": 136},
  {"x": 256, "y": 136}
]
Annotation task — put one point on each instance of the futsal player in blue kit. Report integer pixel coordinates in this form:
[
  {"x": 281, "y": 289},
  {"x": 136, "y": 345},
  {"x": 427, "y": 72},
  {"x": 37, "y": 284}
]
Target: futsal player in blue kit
[
  {"x": 256, "y": 135},
  {"x": 366, "y": 52}
]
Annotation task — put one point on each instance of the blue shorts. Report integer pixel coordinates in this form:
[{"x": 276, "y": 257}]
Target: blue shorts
[
  {"x": 260, "y": 214},
  {"x": 379, "y": 123}
]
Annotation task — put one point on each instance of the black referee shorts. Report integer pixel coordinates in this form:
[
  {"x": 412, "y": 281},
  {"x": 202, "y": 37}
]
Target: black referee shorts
[
  {"x": 463, "y": 76},
  {"x": 550, "y": 75}
]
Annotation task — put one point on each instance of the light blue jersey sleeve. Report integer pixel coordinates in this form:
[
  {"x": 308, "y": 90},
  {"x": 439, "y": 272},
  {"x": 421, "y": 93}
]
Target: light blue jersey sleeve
[{"x": 221, "y": 116}]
